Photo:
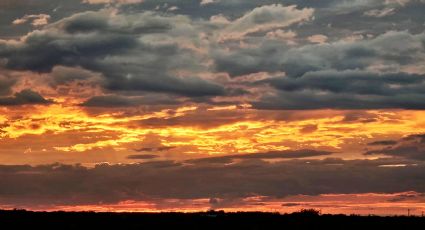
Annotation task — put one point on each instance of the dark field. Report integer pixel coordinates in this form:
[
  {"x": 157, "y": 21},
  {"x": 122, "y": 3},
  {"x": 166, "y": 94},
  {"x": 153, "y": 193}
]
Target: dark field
[{"x": 205, "y": 220}]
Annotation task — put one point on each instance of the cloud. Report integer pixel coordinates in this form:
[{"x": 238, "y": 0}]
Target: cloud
[
  {"x": 281, "y": 35},
  {"x": 35, "y": 20},
  {"x": 391, "y": 50},
  {"x": 137, "y": 56},
  {"x": 62, "y": 75},
  {"x": 25, "y": 97},
  {"x": 207, "y": 2},
  {"x": 318, "y": 38},
  {"x": 286, "y": 154},
  {"x": 123, "y": 101},
  {"x": 71, "y": 185},
  {"x": 5, "y": 84},
  {"x": 266, "y": 18},
  {"x": 142, "y": 157},
  {"x": 313, "y": 100},
  {"x": 380, "y": 13},
  {"x": 342, "y": 75},
  {"x": 355, "y": 90},
  {"x": 152, "y": 143},
  {"x": 410, "y": 147},
  {"x": 155, "y": 149},
  {"x": 399, "y": 2},
  {"x": 309, "y": 129},
  {"x": 112, "y": 1},
  {"x": 120, "y": 48},
  {"x": 381, "y": 143},
  {"x": 146, "y": 51}
]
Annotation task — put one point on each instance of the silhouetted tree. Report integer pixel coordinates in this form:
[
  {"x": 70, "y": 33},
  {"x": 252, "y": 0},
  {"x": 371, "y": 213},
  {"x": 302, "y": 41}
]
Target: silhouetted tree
[{"x": 307, "y": 212}]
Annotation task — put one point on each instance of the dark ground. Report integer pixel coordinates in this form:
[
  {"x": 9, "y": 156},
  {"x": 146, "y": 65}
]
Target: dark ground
[{"x": 20, "y": 219}]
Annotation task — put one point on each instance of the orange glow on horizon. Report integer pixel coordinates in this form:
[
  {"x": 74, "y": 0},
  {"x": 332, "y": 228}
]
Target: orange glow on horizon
[{"x": 360, "y": 204}]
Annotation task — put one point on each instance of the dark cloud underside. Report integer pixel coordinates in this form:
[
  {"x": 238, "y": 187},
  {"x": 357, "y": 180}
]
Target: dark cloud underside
[{"x": 61, "y": 184}]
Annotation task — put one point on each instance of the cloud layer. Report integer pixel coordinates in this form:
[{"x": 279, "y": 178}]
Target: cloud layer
[
  {"x": 217, "y": 102},
  {"x": 76, "y": 185},
  {"x": 181, "y": 54}
]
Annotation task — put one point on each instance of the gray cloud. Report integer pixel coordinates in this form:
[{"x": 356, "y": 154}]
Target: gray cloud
[
  {"x": 326, "y": 11},
  {"x": 57, "y": 9},
  {"x": 112, "y": 45},
  {"x": 64, "y": 184},
  {"x": 5, "y": 85},
  {"x": 63, "y": 75},
  {"x": 25, "y": 97},
  {"x": 343, "y": 75},
  {"x": 382, "y": 143},
  {"x": 410, "y": 147},
  {"x": 353, "y": 82},
  {"x": 346, "y": 90},
  {"x": 145, "y": 48},
  {"x": 391, "y": 48},
  {"x": 315, "y": 100}
]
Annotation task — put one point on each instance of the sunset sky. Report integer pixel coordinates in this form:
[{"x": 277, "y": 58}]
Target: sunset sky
[{"x": 190, "y": 105}]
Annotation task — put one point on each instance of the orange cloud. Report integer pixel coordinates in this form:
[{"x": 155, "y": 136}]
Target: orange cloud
[{"x": 252, "y": 131}]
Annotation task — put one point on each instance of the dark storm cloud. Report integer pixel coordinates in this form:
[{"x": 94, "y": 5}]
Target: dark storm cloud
[
  {"x": 353, "y": 82},
  {"x": 111, "y": 45},
  {"x": 62, "y": 184},
  {"x": 346, "y": 90},
  {"x": 410, "y": 147},
  {"x": 42, "y": 50},
  {"x": 318, "y": 100},
  {"x": 25, "y": 97},
  {"x": 391, "y": 48},
  {"x": 144, "y": 47},
  {"x": 341, "y": 76}
]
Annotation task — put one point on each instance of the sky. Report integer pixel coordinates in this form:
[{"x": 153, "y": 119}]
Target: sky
[{"x": 191, "y": 105}]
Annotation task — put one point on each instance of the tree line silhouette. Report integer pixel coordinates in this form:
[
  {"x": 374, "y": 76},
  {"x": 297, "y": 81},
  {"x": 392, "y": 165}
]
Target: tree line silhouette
[{"x": 217, "y": 220}]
